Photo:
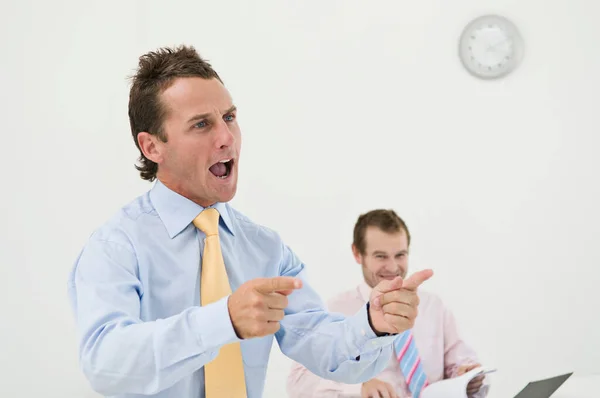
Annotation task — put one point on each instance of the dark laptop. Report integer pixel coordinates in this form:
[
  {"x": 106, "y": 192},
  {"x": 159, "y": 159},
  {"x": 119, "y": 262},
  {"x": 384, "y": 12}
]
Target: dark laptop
[{"x": 543, "y": 388}]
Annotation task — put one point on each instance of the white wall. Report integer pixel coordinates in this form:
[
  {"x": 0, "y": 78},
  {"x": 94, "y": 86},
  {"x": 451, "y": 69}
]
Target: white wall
[{"x": 345, "y": 106}]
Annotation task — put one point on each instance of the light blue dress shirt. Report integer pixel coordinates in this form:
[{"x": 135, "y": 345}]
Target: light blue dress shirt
[{"x": 135, "y": 292}]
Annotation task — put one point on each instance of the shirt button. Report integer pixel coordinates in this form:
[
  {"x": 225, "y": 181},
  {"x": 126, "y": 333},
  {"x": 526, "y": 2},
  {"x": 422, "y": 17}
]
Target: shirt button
[{"x": 363, "y": 332}]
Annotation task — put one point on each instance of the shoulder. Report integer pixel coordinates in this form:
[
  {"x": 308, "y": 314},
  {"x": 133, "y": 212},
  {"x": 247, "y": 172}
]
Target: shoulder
[
  {"x": 347, "y": 302},
  {"x": 429, "y": 301},
  {"x": 125, "y": 223},
  {"x": 110, "y": 248},
  {"x": 428, "y": 297}
]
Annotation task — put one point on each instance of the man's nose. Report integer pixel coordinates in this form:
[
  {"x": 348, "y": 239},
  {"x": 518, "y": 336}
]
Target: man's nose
[
  {"x": 225, "y": 137},
  {"x": 391, "y": 267}
]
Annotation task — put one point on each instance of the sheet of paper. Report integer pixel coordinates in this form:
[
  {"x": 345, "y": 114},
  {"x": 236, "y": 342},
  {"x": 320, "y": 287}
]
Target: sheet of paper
[
  {"x": 455, "y": 387},
  {"x": 543, "y": 388}
]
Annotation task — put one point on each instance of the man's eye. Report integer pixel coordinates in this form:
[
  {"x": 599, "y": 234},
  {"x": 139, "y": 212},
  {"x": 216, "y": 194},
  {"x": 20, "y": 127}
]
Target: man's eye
[
  {"x": 229, "y": 118},
  {"x": 201, "y": 124}
]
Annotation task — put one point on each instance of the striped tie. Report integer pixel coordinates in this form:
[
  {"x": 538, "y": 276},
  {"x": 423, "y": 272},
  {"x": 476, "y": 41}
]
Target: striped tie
[{"x": 410, "y": 363}]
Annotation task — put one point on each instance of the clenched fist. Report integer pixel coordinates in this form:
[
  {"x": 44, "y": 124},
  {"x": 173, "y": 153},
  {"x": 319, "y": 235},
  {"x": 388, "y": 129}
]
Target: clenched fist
[
  {"x": 475, "y": 384},
  {"x": 257, "y": 306},
  {"x": 393, "y": 303}
]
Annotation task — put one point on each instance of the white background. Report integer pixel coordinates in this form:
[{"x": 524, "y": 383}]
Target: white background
[{"x": 345, "y": 106}]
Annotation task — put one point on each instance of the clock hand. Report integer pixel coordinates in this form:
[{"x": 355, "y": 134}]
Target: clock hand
[{"x": 493, "y": 47}]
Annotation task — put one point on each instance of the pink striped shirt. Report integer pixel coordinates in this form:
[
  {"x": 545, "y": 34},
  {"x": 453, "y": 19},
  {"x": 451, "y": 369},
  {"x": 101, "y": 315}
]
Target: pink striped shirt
[{"x": 436, "y": 337}]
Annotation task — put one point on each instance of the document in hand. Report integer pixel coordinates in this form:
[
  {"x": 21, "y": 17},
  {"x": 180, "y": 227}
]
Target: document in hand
[{"x": 455, "y": 387}]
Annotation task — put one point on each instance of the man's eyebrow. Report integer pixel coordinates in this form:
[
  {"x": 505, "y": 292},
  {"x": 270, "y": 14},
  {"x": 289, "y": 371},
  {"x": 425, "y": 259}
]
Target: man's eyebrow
[
  {"x": 207, "y": 115},
  {"x": 199, "y": 117}
]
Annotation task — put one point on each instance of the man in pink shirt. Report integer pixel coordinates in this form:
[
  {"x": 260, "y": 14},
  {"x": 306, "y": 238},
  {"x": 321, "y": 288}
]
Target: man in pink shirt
[{"x": 381, "y": 247}]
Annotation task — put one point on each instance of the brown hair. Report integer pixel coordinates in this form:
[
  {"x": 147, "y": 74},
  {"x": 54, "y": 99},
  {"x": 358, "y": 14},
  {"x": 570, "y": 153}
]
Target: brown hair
[
  {"x": 386, "y": 220},
  {"x": 156, "y": 72}
]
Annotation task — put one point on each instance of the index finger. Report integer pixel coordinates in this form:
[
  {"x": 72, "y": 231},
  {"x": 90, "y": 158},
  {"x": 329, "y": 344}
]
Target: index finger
[
  {"x": 416, "y": 279},
  {"x": 283, "y": 284}
]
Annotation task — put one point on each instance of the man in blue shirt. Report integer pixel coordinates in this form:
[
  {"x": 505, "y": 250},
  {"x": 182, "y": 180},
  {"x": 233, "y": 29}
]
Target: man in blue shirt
[{"x": 135, "y": 287}]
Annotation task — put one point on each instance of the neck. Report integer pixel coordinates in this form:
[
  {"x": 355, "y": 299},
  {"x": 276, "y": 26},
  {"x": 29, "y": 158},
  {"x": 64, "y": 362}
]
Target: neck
[{"x": 178, "y": 187}]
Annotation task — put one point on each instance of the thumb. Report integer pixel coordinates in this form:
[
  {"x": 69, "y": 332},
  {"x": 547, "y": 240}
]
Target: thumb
[
  {"x": 467, "y": 368},
  {"x": 384, "y": 287}
]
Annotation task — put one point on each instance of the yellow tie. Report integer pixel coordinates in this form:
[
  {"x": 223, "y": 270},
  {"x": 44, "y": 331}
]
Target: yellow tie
[{"x": 223, "y": 376}]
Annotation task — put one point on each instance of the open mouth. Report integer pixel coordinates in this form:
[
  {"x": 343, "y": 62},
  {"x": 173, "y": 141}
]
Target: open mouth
[{"x": 222, "y": 169}]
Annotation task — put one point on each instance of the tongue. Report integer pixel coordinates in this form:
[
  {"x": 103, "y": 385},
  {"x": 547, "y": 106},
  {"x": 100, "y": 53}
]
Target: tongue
[{"x": 218, "y": 169}]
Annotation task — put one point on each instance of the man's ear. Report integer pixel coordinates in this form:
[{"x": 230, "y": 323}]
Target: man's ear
[
  {"x": 149, "y": 146},
  {"x": 356, "y": 253}
]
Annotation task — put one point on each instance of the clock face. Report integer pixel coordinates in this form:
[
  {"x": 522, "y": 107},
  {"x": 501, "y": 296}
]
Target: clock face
[{"x": 490, "y": 47}]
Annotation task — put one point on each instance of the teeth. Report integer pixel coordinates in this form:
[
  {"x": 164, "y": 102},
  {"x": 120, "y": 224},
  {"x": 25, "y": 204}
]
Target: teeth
[{"x": 224, "y": 161}]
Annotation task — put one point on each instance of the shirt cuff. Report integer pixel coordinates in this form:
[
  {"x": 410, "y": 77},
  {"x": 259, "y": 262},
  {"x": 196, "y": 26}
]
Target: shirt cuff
[
  {"x": 365, "y": 338},
  {"x": 214, "y": 325}
]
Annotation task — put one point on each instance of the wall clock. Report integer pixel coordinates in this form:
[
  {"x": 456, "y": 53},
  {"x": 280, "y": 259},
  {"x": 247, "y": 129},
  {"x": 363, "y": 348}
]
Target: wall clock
[{"x": 490, "y": 47}]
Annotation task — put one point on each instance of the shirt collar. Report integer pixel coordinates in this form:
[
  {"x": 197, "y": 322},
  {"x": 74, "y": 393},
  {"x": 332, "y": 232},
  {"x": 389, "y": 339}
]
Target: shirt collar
[
  {"x": 177, "y": 211},
  {"x": 365, "y": 291}
]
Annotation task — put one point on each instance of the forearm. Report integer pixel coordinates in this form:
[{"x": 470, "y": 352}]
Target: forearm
[
  {"x": 122, "y": 355},
  {"x": 330, "y": 345},
  {"x": 334, "y": 347}
]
